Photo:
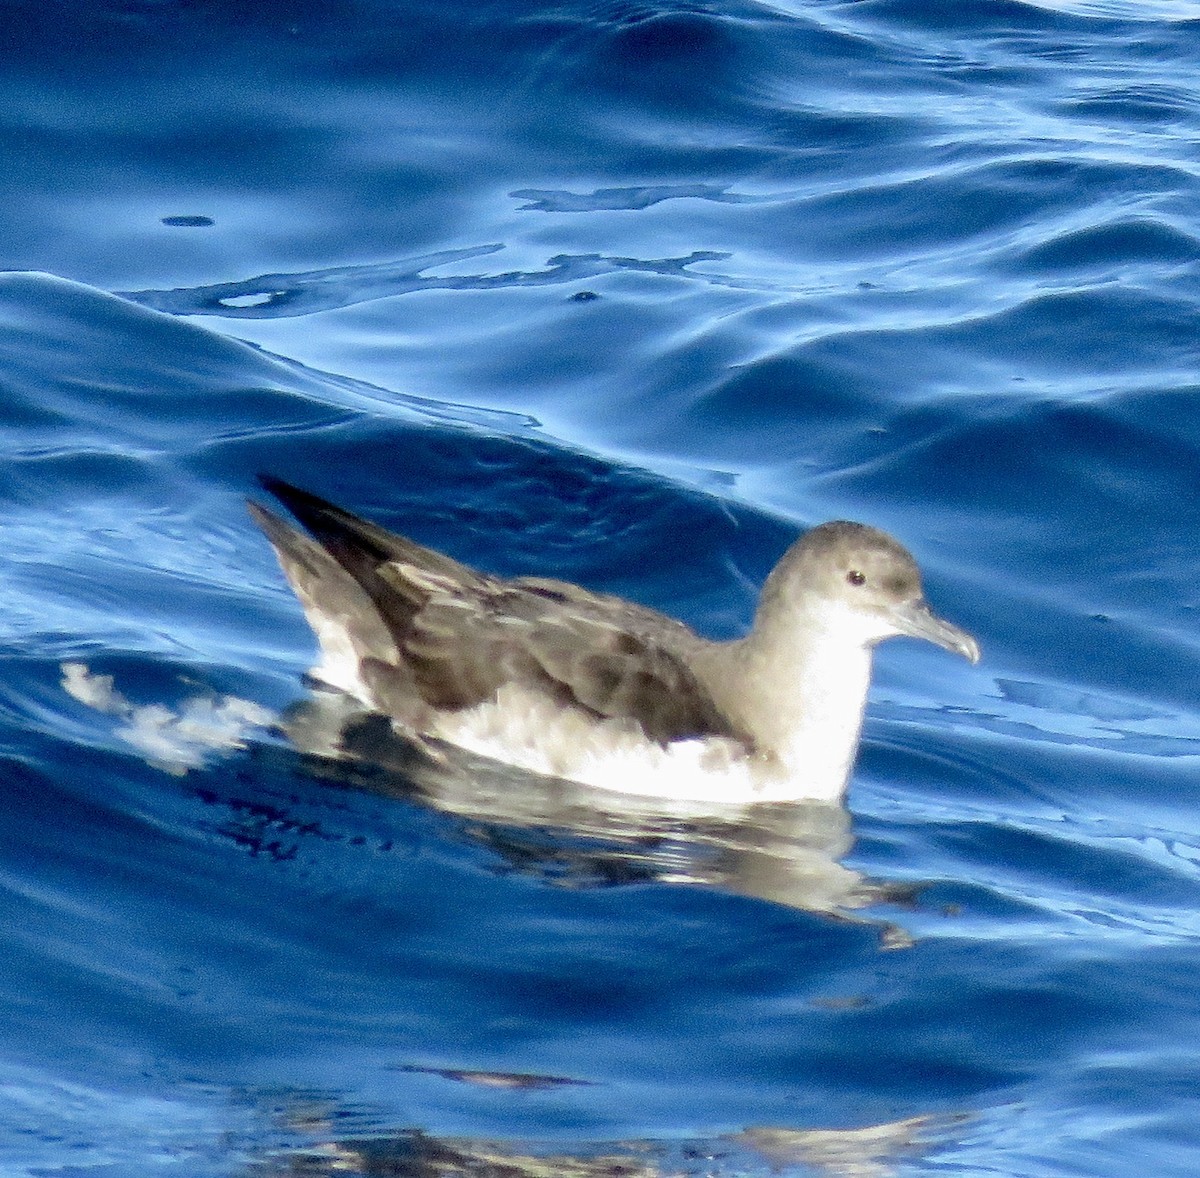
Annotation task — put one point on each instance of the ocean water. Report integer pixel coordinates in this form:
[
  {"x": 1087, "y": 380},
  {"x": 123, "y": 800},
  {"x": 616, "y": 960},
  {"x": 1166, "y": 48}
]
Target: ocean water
[{"x": 630, "y": 293}]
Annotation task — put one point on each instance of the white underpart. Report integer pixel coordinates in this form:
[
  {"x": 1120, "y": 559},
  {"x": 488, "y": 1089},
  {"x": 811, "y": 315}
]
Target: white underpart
[
  {"x": 525, "y": 729},
  {"x": 339, "y": 665}
]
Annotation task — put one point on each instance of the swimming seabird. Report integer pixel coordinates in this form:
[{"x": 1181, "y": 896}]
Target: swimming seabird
[{"x": 557, "y": 679}]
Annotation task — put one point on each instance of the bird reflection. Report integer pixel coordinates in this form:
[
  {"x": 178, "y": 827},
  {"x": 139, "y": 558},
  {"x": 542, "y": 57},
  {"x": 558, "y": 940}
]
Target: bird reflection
[
  {"x": 572, "y": 835},
  {"x": 873, "y": 1151}
]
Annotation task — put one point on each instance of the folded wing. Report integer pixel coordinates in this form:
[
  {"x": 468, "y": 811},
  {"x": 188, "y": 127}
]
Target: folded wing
[{"x": 440, "y": 635}]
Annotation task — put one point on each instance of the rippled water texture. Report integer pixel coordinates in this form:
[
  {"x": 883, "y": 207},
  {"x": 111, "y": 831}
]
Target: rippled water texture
[{"x": 626, "y": 293}]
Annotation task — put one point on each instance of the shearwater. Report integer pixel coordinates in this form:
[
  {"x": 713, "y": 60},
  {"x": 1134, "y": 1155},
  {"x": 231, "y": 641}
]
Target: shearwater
[{"x": 556, "y": 679}]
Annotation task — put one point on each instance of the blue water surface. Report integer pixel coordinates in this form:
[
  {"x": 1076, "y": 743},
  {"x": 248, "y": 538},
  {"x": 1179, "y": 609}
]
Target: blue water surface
[{"x": 625, "y": 292}]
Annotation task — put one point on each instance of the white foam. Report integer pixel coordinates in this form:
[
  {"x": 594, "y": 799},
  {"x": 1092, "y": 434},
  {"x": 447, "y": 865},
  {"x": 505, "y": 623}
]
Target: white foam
[{"x": 172, "y": 739}]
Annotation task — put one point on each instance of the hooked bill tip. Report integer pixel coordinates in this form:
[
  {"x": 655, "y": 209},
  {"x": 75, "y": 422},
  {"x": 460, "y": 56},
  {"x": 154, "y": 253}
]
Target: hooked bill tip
[{"x": 917, "y": 620}]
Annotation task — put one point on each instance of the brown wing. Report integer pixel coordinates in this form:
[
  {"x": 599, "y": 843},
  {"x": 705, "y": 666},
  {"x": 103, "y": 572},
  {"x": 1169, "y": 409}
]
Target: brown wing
[
  {"x": 581, "y": 649},
  {"x": 457, "y": 635}
]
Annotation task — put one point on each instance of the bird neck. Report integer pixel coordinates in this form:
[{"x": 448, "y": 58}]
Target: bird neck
[{"x": 800, "y": 693}]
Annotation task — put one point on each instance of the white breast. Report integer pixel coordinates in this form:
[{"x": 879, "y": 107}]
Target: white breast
[{"x": 525, "y": 729}]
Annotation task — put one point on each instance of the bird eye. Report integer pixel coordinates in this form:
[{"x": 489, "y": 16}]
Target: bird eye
[{"x": 856, "y": 578}]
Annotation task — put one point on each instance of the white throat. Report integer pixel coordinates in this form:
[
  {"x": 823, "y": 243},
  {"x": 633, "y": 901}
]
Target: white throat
[
  {"x": 823, "y": 712},
  {"x": 800, "y": 691}
]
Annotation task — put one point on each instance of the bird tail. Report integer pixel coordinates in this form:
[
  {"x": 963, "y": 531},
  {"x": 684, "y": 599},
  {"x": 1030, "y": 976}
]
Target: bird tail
[{"x": 358, "y": 546}]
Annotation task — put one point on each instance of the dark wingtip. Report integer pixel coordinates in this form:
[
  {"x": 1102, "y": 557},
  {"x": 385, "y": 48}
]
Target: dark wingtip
[
  {"x": 304, "y": 505},
  {"x": 276, "y": 487}
]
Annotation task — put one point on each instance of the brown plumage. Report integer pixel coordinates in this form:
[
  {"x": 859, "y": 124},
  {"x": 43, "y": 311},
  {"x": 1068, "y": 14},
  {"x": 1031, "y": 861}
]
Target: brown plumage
[
  {"x": 562, "y": 680},
  {"x": 454, "y": 636}
]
